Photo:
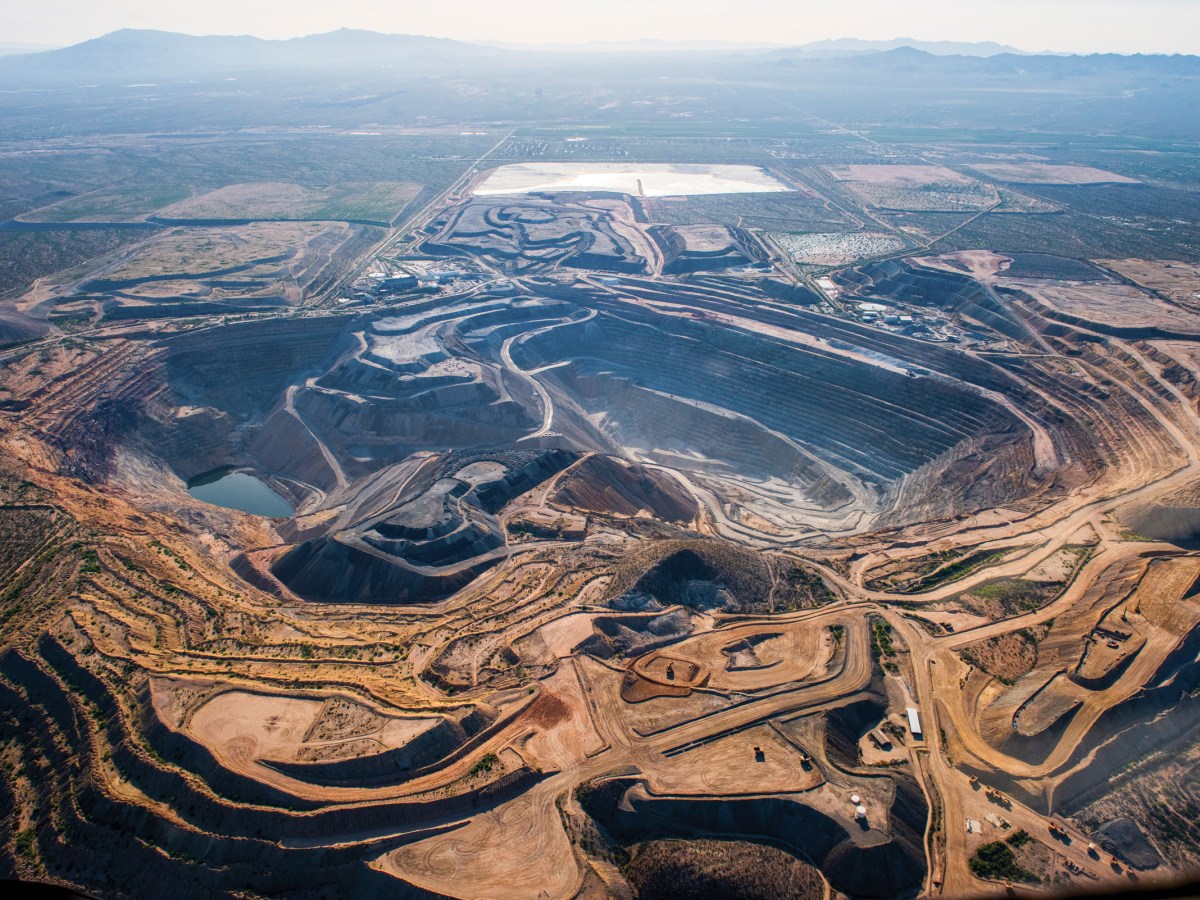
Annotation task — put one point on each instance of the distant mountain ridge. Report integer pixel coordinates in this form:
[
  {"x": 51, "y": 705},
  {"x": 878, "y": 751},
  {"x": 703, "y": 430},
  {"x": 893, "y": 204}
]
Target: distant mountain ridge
[
  {"x": 825, "y": 48},
  {"x": 148, "y": 54},
  {"x": 644, "y": 45},
  {"x": 903, "y": 60},
  {"x": 855, "y": 46},
  {"x": 143, "y": 56}
]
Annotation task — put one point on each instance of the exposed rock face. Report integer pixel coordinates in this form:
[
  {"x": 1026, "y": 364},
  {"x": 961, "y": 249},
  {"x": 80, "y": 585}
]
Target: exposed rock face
[
  {"x": 246, "y": 368},
  {"x": 88, "y": 441},
  {"x": 634, "y": 635},
  {"x": 830, "y": 426},
  {"x": 326, "y": 569},
  {"x": 618, "y": 541},
  {"x": 17, "y": 329},
  {"x": 910, "y": 282},
  {"x": 605, "y": 484},
  {"x": 736, "y": 870}
]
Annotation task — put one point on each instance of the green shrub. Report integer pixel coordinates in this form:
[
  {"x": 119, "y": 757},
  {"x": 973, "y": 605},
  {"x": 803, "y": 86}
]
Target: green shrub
[{"x": 484, "y": 765}]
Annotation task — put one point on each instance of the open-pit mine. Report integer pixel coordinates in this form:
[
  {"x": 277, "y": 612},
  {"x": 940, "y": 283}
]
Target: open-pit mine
[{"x": 549, "y": 532}]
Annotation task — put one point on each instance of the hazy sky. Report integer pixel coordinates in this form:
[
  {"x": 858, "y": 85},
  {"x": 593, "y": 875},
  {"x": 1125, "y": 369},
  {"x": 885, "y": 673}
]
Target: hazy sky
[{"x": 1068, "y": 25}]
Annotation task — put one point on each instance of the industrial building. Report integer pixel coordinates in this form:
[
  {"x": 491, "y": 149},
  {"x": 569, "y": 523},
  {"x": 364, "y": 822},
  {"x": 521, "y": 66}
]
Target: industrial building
[{"x": 914, "y": 724}]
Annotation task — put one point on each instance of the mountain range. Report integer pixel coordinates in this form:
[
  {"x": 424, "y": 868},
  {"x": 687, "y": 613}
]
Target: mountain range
[
  {"x": 154, "y": 56},
  {"x": 145, "y": 54}
]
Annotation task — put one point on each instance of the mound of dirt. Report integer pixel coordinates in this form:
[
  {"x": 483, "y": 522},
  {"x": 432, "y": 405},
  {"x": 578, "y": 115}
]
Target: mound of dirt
[
  {"x": 633, "y": 635},
  {"x": 1177, "y": 521},
  {"x": 708, "y": 574},
  {"x": 1123, "y": 838},
  {"x": 734, "y": 870}
]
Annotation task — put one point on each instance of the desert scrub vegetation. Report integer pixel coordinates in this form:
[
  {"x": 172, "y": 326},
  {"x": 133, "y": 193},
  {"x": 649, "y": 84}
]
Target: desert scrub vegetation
[
  {"x": 996, "y": 860},
  {"x": 26, "y": 844},
  {"x": 953, "y": 571},
  {"x": 1007, "y": 656},
  {"x": 914, "y": 576},
  {"x": 881, "y": 645},
  {"x": 1006, "y": 597},
  {"x": 484, "y": 765}
]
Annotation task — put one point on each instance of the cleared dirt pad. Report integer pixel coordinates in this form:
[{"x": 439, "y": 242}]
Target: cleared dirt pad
[
  {"x": 1115, "y": 305},
  {"x": 1179, "y": 281},
  {"x": 562, "y": 635},
  {"x": 733, "y": 765},
  {"x": 242, "y": 728},
  {"x": 750, "y": 658},
  {"x": 246, "y": 727},
  {"x": 899, "y": 174}
]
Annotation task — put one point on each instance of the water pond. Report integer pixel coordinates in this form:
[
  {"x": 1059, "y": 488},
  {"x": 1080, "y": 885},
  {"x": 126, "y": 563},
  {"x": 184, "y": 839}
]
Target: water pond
[{"x": 239, "y": 490}]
